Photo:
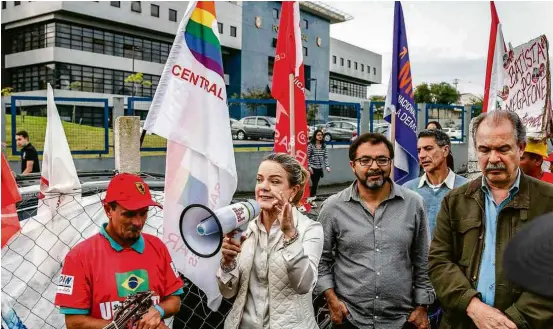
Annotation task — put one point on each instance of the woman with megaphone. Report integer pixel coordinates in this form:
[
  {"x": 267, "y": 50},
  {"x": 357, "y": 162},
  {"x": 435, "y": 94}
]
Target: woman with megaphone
[{"x": 273, "y": 269}]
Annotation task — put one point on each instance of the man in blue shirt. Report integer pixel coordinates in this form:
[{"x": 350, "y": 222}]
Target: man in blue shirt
[
  {"x": 474, "y": 225},
  {"x": 433, "y": 147}
]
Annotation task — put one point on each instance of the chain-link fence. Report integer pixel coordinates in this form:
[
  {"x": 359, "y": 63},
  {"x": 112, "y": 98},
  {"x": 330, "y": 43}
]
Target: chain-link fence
[
  {"x": 85, "y": 121},
  {"x": 32, "y": 261}
]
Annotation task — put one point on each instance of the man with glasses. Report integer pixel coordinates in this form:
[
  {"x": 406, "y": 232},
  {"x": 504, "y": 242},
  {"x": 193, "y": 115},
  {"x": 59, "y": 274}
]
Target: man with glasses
[{"x": 373, "y": 269}]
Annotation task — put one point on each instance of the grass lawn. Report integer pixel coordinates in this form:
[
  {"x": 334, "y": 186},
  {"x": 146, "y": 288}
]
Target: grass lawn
[{"x": 84, "y": 138}]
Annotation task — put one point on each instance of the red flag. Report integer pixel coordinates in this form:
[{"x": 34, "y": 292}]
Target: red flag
[
  {"x": 288, "y": 61},
  {"x": 10, "y": 196},
  {"x": 491, "y": 55}
]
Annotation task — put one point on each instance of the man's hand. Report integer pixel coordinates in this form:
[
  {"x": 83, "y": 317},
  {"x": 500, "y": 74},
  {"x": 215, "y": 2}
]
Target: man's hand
[
  {"x": 487, "y": 317},
  {"x": 150, "y": 320},
  {"x": 338, "y": 310},
  {"x": 419, "y": 318}
]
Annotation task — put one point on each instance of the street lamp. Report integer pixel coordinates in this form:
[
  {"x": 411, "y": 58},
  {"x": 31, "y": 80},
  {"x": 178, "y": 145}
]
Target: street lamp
[{"x": 133, "y": 49}]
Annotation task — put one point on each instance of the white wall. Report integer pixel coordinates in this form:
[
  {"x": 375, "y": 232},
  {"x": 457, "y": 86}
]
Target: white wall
[
  {"x": 347, "y": 51},
  {"x": 86, "y": 58},
  {"x": 227, "y": 13}
]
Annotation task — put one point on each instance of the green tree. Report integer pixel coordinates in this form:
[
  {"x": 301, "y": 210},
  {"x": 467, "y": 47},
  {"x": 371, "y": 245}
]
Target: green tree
[
  {"x": 378, "y": 98},
  {"x": 253, "y": 93},
  {"x": 312, "y": 113},
  {"x": 444, "y": 93},
  {"x": 7, "y": 91},
  {"x": 440, "y": 93},
  {"x": 422, "y": 94},
  {"x": 137, "y": 80}
]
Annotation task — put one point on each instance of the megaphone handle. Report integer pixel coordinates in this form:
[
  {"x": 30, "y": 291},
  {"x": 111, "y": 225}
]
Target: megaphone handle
[{"x": 238, "y": 235}]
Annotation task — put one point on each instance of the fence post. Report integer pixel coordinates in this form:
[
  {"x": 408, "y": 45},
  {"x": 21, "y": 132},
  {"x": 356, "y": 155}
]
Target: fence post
[
  {"x": 421, "y": 116},
  {"x": 365, "y": 117},
  {"x": 126, "y": 140},
  {"x": 118, "y": 108}
]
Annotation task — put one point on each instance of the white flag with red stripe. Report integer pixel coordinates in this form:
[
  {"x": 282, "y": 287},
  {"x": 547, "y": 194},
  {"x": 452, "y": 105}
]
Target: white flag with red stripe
[
  {"x": 495, "y": 71},
  {"x": 289, "y": 61}
]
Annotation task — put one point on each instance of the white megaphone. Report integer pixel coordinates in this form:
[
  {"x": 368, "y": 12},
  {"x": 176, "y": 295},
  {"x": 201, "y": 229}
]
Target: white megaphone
[{"x": 202, "y": 229}]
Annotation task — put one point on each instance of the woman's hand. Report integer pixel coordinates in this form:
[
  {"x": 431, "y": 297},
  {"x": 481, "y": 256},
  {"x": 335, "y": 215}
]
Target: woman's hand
[
  {"x": 285, "y": 216},
  {"x": 231, "y": 248}
]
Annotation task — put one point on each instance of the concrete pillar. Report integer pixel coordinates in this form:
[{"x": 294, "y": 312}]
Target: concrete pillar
[
  {"x": 118, "y": 108},
  {"x": 421, "y": 116},
  {"x": 126, "y": 138},
  {"x": 473, "y": 170},
  {"x": 365, "y": 119}
]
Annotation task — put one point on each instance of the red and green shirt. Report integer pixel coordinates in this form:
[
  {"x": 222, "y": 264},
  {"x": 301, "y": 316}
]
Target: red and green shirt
[{"x": 98, "y": 274}]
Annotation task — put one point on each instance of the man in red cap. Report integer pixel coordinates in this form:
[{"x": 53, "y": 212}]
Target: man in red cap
[
  {"x": 550, "y": 160},
  {"x": 102, "y": 271}
]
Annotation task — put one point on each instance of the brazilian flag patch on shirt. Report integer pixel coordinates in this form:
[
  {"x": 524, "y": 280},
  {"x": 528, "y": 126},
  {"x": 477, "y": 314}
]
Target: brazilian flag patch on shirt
[{"x": 132, "y": 282}]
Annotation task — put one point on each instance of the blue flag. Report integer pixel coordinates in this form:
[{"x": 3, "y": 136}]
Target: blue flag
[{"x": 400, "y": 100}]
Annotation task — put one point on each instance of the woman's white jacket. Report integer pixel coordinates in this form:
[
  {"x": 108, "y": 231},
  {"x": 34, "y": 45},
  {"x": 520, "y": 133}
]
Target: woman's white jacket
[{"x": 292, "y": 275}]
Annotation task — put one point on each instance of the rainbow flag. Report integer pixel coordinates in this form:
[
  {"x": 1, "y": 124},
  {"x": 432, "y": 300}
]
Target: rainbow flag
[
  {"x": 201, "y": 39},
  {"x": 190, "y": 110}
]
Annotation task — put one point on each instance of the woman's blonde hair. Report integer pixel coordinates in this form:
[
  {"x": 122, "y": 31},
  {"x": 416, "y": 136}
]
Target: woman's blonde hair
[{"x": 297, "y": 174}]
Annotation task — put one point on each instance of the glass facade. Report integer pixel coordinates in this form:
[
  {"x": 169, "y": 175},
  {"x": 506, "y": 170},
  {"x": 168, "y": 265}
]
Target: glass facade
[
  {"x": 80, "y": 78},
  {"x": 77, "y": 37},
  {"x": 347, "y": 88}
]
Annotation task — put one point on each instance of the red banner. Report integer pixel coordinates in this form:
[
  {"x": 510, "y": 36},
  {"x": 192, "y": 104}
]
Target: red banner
[
  {"x": 289, "y": 61},
  {"x": 10, "y": 196}
]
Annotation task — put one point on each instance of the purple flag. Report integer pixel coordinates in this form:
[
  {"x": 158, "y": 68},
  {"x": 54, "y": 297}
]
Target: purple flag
[{"x": 400, "y": 100}]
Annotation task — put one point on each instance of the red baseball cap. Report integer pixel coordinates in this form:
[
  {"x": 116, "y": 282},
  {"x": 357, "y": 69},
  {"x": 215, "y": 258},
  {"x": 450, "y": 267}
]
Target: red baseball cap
[{"x": 130, "y": 192}]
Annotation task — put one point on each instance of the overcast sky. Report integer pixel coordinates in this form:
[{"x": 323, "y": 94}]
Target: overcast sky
[{"x": 447, "y": 39}]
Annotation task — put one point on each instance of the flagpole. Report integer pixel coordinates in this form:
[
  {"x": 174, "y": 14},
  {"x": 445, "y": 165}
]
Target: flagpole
[
  {"x": 292, "y": 116},
  {"x": 393, "y": 139}
]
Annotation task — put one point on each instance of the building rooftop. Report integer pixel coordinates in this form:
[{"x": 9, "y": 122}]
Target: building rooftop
[{"x": 326, "y": 11}]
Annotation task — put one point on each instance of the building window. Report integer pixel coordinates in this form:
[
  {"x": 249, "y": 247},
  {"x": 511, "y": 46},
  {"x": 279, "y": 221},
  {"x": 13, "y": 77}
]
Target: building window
[
  {"x": 78, "y": 77},
  {"x": 16, "y": 3},
  {"x": 349, "y": 63},
  {"x": 355, "y": 65},
  {"x": 341, "y": 61},
  {"x": 233, "y": 31},
  {"x": 368, "y": 69},
  {"x": 305, "y": 51},
  {"x": 172, "y": 15},
  {"x": 154, "y": 10},
  {"x": 276, "y": 13},
  {"x": 347, "y": 88},
  {"x": 333, "y": 59},
  {"x": 362, "y": 68},
  {"x": 4, "y": 4},
  {"x": 374, "y": 70},
  {"x": 270, "y": 66},
  {"x": 274, "y": 42},
  {"x": 136, "y": 6},
  {"x": 305, "y": 24},
  {"x": 220, "y": 27},
  {"x": 115, "y": 4},
  {"x": 73, "y": 36}
]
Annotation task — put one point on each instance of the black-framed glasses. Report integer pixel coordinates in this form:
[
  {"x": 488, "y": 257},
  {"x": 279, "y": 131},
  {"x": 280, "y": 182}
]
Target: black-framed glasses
[{"x": 368, "y": 161}]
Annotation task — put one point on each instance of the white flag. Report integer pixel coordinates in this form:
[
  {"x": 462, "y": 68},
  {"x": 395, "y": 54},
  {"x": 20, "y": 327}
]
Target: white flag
[
  {"x": 190, "y": 110},
  {"x": 497, "y": 77},
  {"x": 59, "y": 182}
]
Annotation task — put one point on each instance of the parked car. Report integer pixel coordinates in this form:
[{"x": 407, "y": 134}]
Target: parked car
[
  {"x": 339, "y": 131},
  {"x": 454, "y": 134},
  {"x": 254, "y": 127}
]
